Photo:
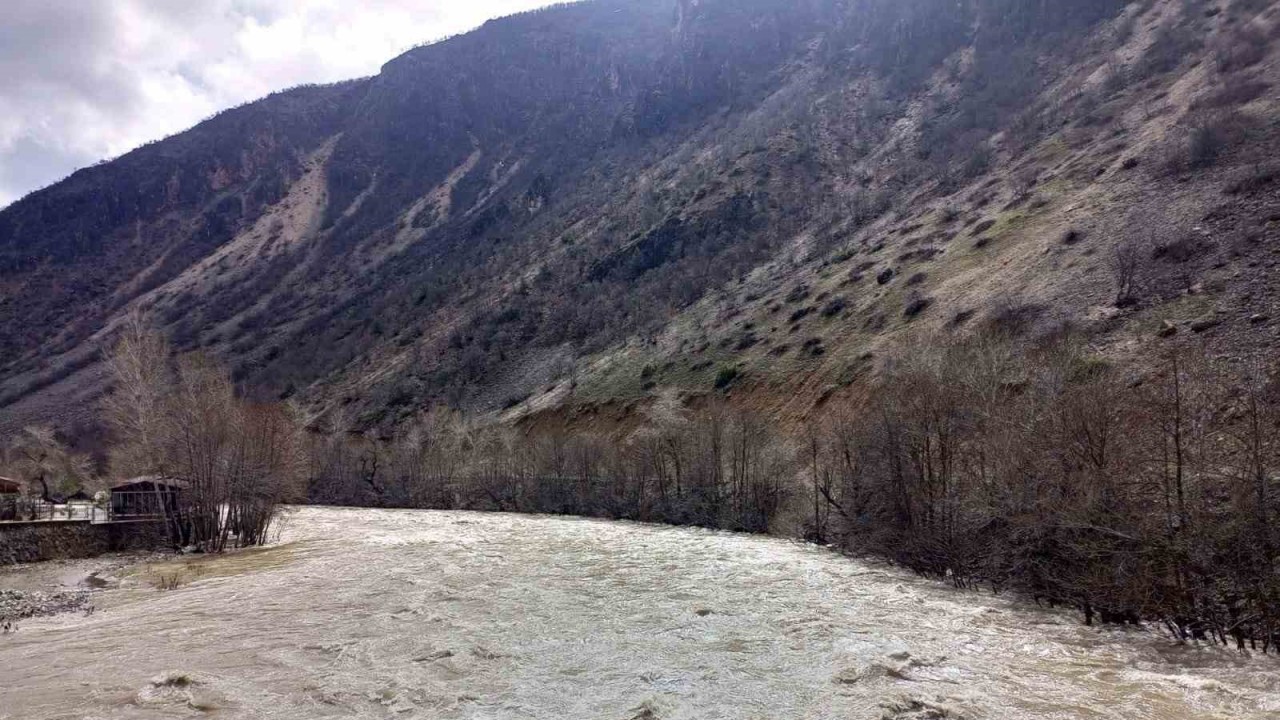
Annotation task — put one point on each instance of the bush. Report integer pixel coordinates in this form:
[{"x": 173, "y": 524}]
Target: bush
[
  {"x": 1014, "y": 319},
  {"x": 800, "y": 314},
  {"x": 1234, "y": 93},
  {"x": 915, "y": 306},
  {"x": 835, "y": 307},
  {"x": 1204, "y": 146},
  {"x": 1254, "y": 179},
  {"x": 1171, "y": 46},
  {"x": 1207, "y": 138},
  {"x": 726, "y": 377},
  {"x": 1180, "y": 251},
  {"x": 1240, "y": 49}
]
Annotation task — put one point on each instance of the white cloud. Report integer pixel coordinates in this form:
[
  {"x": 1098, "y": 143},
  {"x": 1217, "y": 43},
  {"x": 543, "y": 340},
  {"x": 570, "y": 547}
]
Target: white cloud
[{"x": 84, "y": 80}]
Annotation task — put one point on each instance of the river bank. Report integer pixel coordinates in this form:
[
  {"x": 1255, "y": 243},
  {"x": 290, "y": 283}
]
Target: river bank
[
  {"x": 53, "y": 587},
  {"x": 413, "y": 614}
]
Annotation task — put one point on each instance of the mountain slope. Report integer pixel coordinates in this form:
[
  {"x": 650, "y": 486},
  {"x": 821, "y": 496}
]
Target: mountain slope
[{"x": 610, "y": 202}]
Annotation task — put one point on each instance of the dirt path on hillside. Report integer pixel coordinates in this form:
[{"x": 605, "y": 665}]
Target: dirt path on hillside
[{"x": 382, "y": 614}]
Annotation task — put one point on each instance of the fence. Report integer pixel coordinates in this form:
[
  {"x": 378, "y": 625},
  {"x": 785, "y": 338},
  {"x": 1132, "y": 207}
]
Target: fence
[{"x": 23, "y": 509}]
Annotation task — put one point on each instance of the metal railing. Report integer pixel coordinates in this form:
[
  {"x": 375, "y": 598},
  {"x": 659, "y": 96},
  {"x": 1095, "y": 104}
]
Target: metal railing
[
  {"x": 142, "y": 505},
  {"x": 25, "y": 510}
]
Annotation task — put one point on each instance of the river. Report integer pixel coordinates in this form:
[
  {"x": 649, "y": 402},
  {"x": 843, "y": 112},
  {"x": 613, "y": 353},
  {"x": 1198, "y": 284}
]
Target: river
[{"x": 406, "y": 614}]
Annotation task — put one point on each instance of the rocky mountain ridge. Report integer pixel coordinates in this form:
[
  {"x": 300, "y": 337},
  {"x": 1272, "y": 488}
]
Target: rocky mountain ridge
[{"x": 597, "y": 210}]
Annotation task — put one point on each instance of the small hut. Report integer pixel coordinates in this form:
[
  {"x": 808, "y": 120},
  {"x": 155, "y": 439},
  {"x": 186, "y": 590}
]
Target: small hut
[
  {"x": 10, "y": 492},
  {"x": 145, "y": 498}
]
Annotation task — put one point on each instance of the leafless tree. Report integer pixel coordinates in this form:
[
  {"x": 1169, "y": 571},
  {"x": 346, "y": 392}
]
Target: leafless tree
[
  {"x": 1126, "y": 261},
  {"x": 182, "y": 422},
  {"x": 37, "y": 456}
]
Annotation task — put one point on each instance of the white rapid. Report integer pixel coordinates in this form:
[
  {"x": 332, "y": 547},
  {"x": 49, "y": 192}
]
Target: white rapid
[{"x": 386, "y": 614}]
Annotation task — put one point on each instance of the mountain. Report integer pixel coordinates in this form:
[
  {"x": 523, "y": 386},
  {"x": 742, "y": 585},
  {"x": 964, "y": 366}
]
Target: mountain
[{"x": 579, "y": 211}]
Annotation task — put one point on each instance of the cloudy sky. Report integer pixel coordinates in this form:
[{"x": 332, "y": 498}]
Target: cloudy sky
[{"x": 84, "y": 80}]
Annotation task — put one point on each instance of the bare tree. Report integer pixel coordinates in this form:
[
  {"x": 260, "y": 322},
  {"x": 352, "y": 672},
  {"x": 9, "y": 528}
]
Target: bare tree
[
  {"x": 37, "y": 456},
  {"x": 142, "y": 379},
  {"x": 183, "y": 422},
  {"x": 1126, "y": 260}
]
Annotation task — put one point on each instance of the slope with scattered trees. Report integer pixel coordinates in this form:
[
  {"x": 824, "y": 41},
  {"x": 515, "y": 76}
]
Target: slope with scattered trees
[
  {"x": 529, "y": 215},
  {"x": 980, "y": 286}
]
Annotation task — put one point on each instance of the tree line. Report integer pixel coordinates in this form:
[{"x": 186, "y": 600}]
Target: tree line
[
  {"x": 1035, "y": 468},
  {"x": 1136, "y": 495}
]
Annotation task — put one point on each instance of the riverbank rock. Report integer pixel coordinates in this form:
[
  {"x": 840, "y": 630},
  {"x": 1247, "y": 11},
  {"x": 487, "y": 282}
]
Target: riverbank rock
[
  {"x": 906, "y": 707},
  {"x": 15, "y": 605},
  {"x": 178, "y": 688}
]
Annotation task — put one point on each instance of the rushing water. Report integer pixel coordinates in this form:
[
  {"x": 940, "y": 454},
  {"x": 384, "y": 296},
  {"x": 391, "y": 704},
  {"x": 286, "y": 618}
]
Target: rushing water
[{"x": 384, "y": 614}]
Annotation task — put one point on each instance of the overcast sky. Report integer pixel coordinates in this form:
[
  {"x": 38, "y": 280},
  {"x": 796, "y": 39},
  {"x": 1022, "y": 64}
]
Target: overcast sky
[{"x": 84, "y": 80}]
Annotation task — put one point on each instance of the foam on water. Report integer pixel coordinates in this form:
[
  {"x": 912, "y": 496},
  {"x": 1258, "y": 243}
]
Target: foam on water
[{"x": 397, "y": 614}]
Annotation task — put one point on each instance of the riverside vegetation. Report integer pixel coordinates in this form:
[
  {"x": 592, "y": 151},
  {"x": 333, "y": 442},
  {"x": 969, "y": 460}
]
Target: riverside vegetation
[
  {"x": 1012, "y": 465},
  {"x": 1027, "y": 467},
  {"x": 751, "y": 200}
]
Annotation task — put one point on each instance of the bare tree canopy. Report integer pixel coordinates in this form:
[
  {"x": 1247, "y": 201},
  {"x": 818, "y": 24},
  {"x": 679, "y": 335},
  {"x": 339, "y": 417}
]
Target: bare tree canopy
[{"x": 182, "y": 419}]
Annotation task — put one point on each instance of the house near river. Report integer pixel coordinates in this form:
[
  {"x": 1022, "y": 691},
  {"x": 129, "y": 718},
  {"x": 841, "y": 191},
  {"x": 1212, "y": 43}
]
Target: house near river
[
  {"x": 10, "y": 487},
  {"x": 10, "y": 493},
  {"x": 145, "y": 498},
  {"x": 140, "y": 499},
  {"x": 131, "y": 515}
]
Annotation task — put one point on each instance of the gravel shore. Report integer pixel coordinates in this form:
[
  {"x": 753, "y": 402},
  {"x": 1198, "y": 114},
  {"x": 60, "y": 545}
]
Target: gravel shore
[{"x": 17, "y": 605}]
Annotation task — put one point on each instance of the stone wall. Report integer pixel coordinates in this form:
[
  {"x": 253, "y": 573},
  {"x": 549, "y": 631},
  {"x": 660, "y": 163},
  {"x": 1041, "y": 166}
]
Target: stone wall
[{"x": 33, "y": 542}]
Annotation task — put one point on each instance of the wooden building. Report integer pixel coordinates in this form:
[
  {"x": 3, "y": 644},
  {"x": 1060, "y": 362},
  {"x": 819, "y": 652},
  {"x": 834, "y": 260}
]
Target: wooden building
[
  {"x": 10, "y": 499},
  {"x": 145, "y": 498}
]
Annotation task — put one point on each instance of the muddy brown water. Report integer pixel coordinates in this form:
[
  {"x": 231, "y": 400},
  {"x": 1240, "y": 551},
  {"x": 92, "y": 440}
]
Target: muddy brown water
[{"x": 389, "y": 614}]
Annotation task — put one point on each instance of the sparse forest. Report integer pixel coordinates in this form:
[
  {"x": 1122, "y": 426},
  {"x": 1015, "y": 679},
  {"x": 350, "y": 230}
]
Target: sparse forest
[
  {"x": 984, "y": 288},
  {"x": 1032, "y": 468}
]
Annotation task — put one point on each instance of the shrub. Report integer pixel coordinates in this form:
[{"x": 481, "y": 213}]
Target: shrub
[
  {"x": 726, "y": 377},
  {"x": 801, "y": 314},
  {"x": 915, "y": 306},
  {"x": 1180, "y": 251},
  {"x": 1254, "y": 179},
  {"x": 1171, "y": 46},
  {"x": 1208, "y": 136},
  {"x": 1014, "y": 319},
  {"x": 1204, "y": 146},
  {"x": 835, "y": 307},
  {"x": 1235, "y": 92},
  {"x": 1240, "y": 49}
]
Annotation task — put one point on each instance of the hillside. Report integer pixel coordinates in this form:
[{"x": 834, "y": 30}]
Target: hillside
[{"x": 594, "y": 206}]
